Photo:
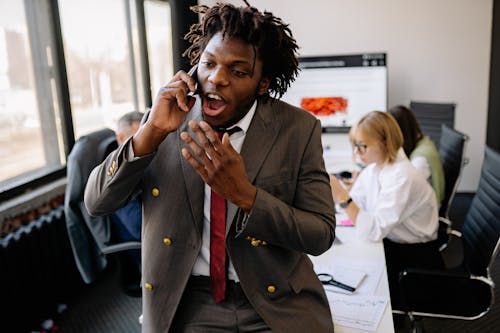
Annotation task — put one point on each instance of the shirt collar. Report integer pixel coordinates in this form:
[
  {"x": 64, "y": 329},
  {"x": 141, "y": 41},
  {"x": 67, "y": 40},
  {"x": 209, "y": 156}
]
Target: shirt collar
[
  {"x": 244, "y": 123},
  {"x": 401, "y": 156}
]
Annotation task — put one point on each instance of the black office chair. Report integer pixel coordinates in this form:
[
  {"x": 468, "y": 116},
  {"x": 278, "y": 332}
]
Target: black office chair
[
  {"x": 466, "y": 292},
  {"x": 430, "y": 116},
  {"x": 92, "y": 238},
  {"x": 452, "y": 146}
]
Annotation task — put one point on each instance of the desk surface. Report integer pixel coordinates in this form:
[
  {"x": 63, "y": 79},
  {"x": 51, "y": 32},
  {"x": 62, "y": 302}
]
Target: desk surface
[{"x": 352, "y": 248}]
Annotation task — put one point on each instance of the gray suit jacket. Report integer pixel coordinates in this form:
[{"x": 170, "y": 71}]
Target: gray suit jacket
[{"x": 292, "y": 215}]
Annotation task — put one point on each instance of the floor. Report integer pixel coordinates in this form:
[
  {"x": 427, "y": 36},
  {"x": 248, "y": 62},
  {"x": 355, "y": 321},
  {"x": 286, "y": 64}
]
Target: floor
[{"x": 102, "y": 307}]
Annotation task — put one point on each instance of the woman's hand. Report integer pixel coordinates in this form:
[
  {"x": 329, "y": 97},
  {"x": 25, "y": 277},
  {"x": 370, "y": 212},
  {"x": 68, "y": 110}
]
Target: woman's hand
[
  {"x": 339, "y": 193},
  {"x": 348, "y": 182}
]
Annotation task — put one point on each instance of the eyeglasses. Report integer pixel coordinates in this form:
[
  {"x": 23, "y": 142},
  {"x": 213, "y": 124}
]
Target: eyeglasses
[
  {"x": 361, "y": 147},
  {"x": 326, "y": 278}
]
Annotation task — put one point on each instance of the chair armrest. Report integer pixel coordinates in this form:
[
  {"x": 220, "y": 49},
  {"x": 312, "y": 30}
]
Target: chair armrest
[
  {"x": 452, "y": 251},
  {"x": 455, "y": 233},
  {"x": 121, "y": 247},
  {"x": 446, "y": 234},
  {"x": 445, "y": 221},
  {"x": 449, "y": 229},
  {"x": 445, "y": 293}
]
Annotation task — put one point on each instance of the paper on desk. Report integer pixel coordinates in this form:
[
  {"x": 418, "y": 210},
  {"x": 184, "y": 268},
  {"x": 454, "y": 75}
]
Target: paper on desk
[
  {"x": 350, "y": 271},
  {"x": 352, "y": 278},
  {"x": 358, "y": 311},
  {"x": 345, "y": 275}
]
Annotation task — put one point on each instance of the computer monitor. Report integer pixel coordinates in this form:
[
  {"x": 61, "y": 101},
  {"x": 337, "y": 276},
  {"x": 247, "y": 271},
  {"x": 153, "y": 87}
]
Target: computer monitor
[{"x": 339, "y": 89}]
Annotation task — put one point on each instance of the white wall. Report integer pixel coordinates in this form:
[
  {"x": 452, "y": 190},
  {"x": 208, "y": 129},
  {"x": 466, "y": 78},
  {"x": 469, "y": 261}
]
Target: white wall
[{"x": 437, "y": 51}]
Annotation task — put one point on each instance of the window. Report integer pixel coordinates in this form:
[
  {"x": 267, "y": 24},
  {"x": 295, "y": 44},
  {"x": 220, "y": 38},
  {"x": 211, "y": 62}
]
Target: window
[
  {"x": 106, "y": 71},
  {"x": 30, "y": 127},
  {"x": 159, "y": 35},
  {"x": 100, "y": 62}
]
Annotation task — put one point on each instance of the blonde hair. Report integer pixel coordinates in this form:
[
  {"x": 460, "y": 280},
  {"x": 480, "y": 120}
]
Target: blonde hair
[{"x": 382, "y": 127}]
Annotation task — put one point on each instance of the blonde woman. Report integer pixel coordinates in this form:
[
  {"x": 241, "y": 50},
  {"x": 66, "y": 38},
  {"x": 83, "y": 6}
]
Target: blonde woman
[
  {"x": 390, "y": 200},
  {"x": 421, "y": 151}
]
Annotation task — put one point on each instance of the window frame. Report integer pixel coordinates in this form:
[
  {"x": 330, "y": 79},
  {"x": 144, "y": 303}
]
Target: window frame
[{"x": 30, "y": 181}]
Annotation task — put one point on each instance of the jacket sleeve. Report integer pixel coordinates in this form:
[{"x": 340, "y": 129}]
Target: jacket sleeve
[
  {"x": 112, "y": 183},
  {"x": 296, "y": 213}
]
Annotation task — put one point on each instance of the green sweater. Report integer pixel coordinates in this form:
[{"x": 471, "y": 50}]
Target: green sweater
[{"x": 426, "y": 148}]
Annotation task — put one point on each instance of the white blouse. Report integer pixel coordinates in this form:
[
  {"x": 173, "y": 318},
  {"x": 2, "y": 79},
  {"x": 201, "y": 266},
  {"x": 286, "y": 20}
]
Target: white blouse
[
  {"x": 396, "y": 202},
  {"x": 420, "y": 163}
]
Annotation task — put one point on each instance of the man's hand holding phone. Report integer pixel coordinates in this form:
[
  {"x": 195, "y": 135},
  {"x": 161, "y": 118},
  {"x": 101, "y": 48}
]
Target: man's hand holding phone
[{"x": 169, "y": 110}]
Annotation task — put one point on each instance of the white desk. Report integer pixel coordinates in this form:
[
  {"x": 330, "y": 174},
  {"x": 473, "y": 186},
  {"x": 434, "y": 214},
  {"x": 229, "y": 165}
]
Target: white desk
[{"x": 352, "y": 248}]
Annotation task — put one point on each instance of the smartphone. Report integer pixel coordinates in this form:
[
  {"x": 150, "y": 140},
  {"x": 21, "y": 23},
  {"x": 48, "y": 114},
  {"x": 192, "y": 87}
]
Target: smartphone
[
  {"x": 343, "y": 175},
  {"x": 193, "y": 72}
]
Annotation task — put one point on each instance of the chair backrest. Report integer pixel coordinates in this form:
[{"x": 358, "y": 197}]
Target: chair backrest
[
  {"x": 88, "y": 234},
  {"x": 452, "y": 151},
  {"x": 430, "y": 116},
  {"x": 481, "y": 230}
]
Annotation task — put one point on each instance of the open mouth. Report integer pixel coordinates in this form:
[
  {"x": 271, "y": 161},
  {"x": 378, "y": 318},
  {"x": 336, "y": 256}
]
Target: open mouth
[{"x": 213, "y": 104}]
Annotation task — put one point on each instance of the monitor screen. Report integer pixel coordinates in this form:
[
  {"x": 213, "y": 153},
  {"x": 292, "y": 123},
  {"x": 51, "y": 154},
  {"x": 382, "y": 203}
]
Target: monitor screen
[{"x": 340, "y": 89}]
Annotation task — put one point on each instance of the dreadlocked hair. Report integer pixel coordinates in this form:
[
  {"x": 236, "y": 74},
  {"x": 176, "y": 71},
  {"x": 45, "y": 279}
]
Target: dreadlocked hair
[{"x": 269, "y": 35}]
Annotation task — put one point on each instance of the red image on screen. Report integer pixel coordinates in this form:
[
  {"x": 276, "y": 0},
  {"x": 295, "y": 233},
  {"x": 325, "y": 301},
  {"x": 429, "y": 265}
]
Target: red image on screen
[{"x": 324, "y": 106}]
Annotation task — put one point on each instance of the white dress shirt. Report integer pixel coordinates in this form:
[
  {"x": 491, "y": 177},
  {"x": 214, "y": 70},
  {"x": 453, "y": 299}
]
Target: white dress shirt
[
  {"x": 202, "y": 264},
  {"x": 396, "y": 202},
  {"x": 420, "y": 163}
]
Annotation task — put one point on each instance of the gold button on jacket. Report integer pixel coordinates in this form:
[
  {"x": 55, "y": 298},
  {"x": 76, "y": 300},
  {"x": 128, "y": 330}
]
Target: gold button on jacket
[
  {"x": 112, "y": 168},
  {"x": 255, "y": 242}
]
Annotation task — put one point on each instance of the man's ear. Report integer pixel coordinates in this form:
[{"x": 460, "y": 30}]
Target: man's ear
[{"x": 263, "y": 86}]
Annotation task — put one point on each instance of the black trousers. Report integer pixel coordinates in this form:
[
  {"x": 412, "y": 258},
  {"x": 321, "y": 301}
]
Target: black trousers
[
  {"x": 401, "y": 256},
  {"x": 198, "y": 311}
]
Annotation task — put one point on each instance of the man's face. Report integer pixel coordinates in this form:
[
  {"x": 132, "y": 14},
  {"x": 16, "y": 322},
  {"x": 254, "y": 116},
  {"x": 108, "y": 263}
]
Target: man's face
[{"x": 229, "y": 78}]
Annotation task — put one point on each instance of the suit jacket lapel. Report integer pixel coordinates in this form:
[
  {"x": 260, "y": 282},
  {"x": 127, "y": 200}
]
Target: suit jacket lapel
[{"x": 260, "y": 137}]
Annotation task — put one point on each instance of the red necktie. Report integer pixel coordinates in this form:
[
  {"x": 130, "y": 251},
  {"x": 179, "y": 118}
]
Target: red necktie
[{"x": 217, "y": 244}]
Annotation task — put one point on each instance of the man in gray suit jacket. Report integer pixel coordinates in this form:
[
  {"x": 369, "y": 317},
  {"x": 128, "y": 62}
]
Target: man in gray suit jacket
[{"x": 270, "y": 172}]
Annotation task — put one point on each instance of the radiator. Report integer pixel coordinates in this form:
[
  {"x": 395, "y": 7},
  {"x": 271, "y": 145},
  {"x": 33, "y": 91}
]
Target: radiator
[{"x": 37, "y": 272}]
